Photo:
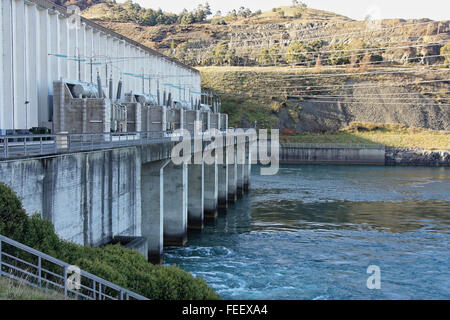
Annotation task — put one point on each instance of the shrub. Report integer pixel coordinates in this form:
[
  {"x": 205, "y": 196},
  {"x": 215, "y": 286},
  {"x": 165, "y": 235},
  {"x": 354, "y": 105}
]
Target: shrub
[
  {"x": 296, "y": 53},
  {"x": 12, "y": 215},
  {"x": 124, "y": 267},
  {"x": 445, "y": 51}
]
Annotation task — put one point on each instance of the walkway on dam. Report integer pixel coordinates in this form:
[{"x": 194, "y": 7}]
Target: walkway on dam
[{"x": 22, "y": 146}]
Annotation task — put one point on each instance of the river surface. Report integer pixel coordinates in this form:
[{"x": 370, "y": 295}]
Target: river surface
[{"x": 311, "y": 232}]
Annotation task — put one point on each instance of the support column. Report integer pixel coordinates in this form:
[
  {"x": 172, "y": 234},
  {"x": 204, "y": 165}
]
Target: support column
[
  {"x": 240, "y": 165},
  {"x": 152, "y": 200},
  {"x": 175, "y": 204},
  {"x": 240, "y": 172},
  {"x": 211, "y": 190},
  {"x": 232, "y": 173},
  {"x": 247, "y": 166},
  {"x": 195, "y": 196},
  {"x": 223, "y": 180}
]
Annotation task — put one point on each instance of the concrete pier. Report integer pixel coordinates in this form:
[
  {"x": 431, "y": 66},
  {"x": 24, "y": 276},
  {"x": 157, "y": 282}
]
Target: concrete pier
[
  {"x": 223, "y": 182},
  {"x": 247, "y": 166},
  {"x": 195, "y": 196},
  {"x": 211, "y": 190},
  {"x": 152, "y": 195},
  {"x": 232, "y": 174},
  {"x": 240, "y": 175},
  {"x": 175, "y": 204}
]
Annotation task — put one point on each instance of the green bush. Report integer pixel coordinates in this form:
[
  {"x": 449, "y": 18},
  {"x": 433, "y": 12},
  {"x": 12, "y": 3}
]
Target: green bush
[
  {"x": 13, "y": 217},
  {"x": 445, "y": 52},
  {"x": 124, "y": 267}
]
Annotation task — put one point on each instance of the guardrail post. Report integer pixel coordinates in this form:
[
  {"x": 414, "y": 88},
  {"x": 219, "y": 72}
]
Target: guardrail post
[
  {"x": 94, "y": 284},
  {"x": 5, "y": 144},
  {"x": 65, "y": 282},
  {"x": 1, "y": 272},
  {"x": 39, "y": 271}
]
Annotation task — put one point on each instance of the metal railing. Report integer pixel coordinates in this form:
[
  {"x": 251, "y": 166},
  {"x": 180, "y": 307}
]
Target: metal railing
[
  {"x": 18, "y": 146},
  {"x": 13, "y": 146},
  {"x": 37, "y": 269}
]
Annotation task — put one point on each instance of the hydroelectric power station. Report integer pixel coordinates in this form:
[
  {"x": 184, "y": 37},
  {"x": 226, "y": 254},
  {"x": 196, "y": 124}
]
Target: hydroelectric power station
[{"x": 87, "y": 125}]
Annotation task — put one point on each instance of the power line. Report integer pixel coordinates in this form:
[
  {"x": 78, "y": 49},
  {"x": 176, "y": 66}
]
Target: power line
[
  {"x": 320, "y": 58},
  {"x": 341, "y": 50},
  {"x": 309, "y": 76},
  {"x": 337, "y": 35},
  {"x": 375, "y": 85},
  {"x": 327, "y": 88}
]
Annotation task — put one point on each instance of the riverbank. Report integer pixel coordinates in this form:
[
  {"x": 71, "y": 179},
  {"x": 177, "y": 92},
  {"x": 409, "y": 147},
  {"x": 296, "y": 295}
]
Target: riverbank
[
  {"x": 417, "y": 157},
  {"x": 369, "y": 143},
  {"x": 389, "y": 135},
  {"x": 328, "y": 153}
]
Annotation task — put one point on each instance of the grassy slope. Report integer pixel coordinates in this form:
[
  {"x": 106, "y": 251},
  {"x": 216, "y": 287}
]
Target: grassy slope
[
  {"x": 393, "y": 135},
  {"x": 255, "y": 93},
  {"x": 16, "y": 290}
]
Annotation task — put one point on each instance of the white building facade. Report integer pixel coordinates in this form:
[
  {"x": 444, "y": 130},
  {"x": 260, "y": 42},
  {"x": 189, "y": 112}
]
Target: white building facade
[{"x": 41, "y": 43}]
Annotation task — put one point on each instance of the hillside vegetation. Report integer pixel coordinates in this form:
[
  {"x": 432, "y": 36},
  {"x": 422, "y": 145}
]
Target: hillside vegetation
[
  {"x": 390, "y": 135},
  {"x": 245, "y": 38},
  {"x": 303, "y": 100},
  {"x": 18, "y": 290}
]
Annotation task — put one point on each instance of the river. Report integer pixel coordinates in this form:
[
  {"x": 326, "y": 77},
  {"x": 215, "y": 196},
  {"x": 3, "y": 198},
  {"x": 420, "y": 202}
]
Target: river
[{"x": 311, "y": 232}]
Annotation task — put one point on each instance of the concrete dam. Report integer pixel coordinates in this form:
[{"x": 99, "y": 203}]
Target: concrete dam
[
  {"x": 129, "y": 192},
  {"x": 88, "y": 122}
]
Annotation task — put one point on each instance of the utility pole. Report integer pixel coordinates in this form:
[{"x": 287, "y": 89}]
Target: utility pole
[
  {"x": 149, "y": 85},
  {"x": 79, "y": 66},
  {"x": 91, "y": 67},
  {"x": 143, "y": 82}
]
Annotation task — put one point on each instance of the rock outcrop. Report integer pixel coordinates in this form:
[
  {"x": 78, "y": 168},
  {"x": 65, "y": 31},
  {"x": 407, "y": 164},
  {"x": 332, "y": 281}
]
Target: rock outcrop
[{"x": 417, "y": 157}]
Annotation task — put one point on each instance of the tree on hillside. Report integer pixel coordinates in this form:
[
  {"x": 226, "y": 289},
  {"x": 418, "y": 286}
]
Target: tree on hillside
[
  {"x": 445, "y": 52},
  {"x": 264, "y": 57},
  {"x": 313, "y": 48},
  {"x": 296, "y": 53},
  {"x": 338, "y": 56},
  {"x": 275, "y": 53},
  {"x": 244, "y": 12},
  {"x": 223, "y": 54}
]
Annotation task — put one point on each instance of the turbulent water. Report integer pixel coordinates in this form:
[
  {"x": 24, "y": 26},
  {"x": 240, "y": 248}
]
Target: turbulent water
[{"x": 311, "y": 232}]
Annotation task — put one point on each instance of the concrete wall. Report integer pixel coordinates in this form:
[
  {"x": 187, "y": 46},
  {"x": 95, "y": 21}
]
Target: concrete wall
[
  {"x": 298, "y": 153},
  {"x": 89, "y": 197},
  {"x": 40, "y": 45},
  {"x": 123, "y": 193}
]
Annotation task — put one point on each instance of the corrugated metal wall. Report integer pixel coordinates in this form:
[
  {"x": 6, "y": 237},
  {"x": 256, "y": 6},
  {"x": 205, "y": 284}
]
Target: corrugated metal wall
[{"x": 40, "y": 45}]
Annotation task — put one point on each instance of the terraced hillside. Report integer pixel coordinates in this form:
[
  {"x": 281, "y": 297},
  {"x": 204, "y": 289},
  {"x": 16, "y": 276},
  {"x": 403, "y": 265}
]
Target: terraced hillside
[{"x": 329, "y": 99}]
